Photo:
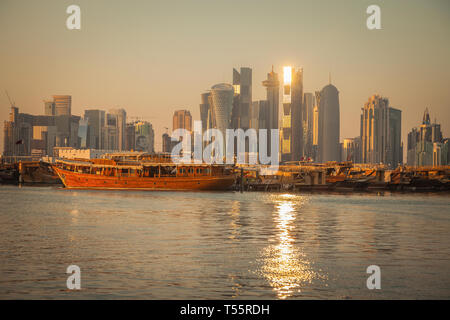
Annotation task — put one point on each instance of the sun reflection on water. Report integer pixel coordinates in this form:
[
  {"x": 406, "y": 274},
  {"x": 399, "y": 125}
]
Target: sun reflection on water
[{"x": 285, "y": 266}]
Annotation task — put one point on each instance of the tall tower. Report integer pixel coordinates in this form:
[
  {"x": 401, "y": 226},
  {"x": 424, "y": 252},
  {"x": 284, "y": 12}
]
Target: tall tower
[
  {"x": 272, "y": 85},
  {"x": 204, "y": 110},
  {"x": 182, "y": 119},
  {"x": 273, "y": 97},
  {"x": 96, "y": 123},
  {"x": 121, "y": 127},
  {"x": 242, "y": 85},
  {"x": 63, "y": 105},
  {"x": 144, "y": 137},
  {"x": 308, "y": 123},
  {"x": 326, "y": 131},
  {"x": 297, "y": 115},
  {"x": 381, "y": 132},
  {"x": 221, "y": 101},
  {"x": 292, "y": 131},
  {"x": 329, "y": 109}
]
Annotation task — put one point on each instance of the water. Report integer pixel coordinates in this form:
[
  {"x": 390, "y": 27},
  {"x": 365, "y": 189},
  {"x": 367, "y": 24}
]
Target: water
[{"x": 210, "y": 245}]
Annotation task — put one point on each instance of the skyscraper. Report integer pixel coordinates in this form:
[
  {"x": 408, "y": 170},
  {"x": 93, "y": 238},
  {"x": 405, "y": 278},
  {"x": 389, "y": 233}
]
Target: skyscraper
[
  {"x": 291, "y": 128},
  {"x": 221, "y": 102},
  {"x": 204, "y": 110},
  {"x": 63, "y": 105},
  {"x": 351, "y": 150},
  {"x": 426, "y": 145},
  {"x": 326, "y": 125},
  {"x": 96, "y": 122},
  {"x": 120, "y": 116},
  {"x": 182, "y": 119},
  {"x": 131, "y": 137},
  {"x": 242, "y": 85},
  {"x": 83, "y": 130},
  {"x": 259, "y": 115},
  {"x": 110, "y": 132},
  {"x": 144, "y": 137},
  {"x": 308, "y": 124},
  {"x": 272, "y": 85},
  {"x": 381, "y": 132}
]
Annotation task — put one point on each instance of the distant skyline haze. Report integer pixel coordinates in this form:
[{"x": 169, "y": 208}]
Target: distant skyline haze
[{"x": 154, "y": 57}]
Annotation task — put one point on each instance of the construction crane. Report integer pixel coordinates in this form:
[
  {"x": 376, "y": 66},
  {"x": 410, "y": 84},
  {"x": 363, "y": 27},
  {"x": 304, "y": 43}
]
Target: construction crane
[{"x": 12, "y": 103}]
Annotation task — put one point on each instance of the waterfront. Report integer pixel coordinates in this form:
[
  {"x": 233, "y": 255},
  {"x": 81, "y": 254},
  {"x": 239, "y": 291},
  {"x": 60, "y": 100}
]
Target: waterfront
[{"x": 212, "y": 245}]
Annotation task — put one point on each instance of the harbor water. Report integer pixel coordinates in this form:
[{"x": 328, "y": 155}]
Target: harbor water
[{"x": 222, "y": 245}]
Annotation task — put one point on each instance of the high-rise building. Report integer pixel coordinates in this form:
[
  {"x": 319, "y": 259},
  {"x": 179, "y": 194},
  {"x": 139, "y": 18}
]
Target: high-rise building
[
  {"x": 120, "y": 116},
  {"x": 395, "y": 137},
  {"x": 221, "y": 102},
  {"x": 426, "y": 145},
  {"x": 308, "y": 124},
  {"x": 381, "y": 133},
  {"x": 83, "y": 132},
  {"x": 144, "y": 137},
  {"x": 272, "y": 85},
  {"x": 27, "y": 135},
  {"x": 49, "y": 108},
  {"x": 291, "y": 125},
  {"x": 242, "y": 85},
  {"x": 260, "y": 115},
  {"x": 96, "y": 122},
  {"x": 326, "y": 131},
  {"x": 204, "y": 111},
  {"x": 63, "y": 105},
  {"x": 110, "y": 132},
  {"x": 131, "y": 137},
  {"x": 351, "y": 150},
  {"x": 168, "y": 143},
  {"x": 182, "y": 119}
]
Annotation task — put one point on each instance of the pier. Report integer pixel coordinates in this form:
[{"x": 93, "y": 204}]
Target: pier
[{"x": 345, "y": 176}]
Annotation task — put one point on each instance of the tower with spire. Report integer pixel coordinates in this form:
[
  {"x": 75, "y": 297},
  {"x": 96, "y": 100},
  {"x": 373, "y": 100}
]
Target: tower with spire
[{"x": 426, "y": 117}]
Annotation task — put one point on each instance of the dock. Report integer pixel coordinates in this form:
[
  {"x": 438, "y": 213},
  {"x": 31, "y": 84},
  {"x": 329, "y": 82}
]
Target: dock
[{"x": 297, "y": 177}]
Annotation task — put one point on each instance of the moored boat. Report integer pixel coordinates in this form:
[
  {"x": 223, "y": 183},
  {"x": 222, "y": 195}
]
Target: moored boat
[{"x": 143, "y": 173}]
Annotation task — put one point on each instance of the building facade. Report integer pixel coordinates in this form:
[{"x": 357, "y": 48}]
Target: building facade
[
  {"x": 291, "y": 119},
  {"x": 381, "y": 133},
  {"x": 182, "y": 119},
  {"x": 326, "y": 123},
  {"x": 351, "y": 150},
  {"x": 308, "y": 124},
  {"x": 96, "y": 123},
  {"x": 144, "y": 137},
  {"x": 205, "y": 109},
  {"x": 242, "y": 100},
  {"x": 62, "y": 105},
  {"x": 27, "y": 135},
  {"x": 426, "y": 145}
]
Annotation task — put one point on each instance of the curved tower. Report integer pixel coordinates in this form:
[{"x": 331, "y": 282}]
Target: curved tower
[{"x": 221, "y": 100}]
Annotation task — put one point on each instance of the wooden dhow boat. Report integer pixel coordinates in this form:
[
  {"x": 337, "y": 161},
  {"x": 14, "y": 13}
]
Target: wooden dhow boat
[{"x": 142, "y": 172}]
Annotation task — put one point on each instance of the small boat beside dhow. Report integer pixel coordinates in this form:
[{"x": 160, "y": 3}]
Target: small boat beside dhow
[{"x": 142, "y": 172}]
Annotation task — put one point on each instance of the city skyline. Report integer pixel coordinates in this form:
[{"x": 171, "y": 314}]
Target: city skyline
[{"x": 119, "y": 71}]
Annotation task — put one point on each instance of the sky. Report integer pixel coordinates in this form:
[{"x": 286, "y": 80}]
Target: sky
[{"x": 153, "y": 57}]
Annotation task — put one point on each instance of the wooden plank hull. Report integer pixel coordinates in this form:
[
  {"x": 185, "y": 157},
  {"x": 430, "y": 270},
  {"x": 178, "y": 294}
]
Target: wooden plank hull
[{"x": 75, "y": 180}]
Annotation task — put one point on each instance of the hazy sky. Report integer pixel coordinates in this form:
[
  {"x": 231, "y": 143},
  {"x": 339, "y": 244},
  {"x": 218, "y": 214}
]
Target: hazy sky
[{"x": 154, "y": 57}]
